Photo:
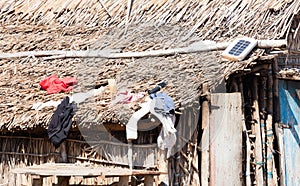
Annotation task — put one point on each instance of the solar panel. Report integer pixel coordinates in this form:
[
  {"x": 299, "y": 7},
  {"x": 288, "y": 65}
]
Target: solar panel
[{"x": 239, "y": 49}]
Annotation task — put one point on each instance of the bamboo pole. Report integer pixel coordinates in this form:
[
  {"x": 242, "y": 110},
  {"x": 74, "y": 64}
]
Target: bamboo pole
[
  {"x": 200, "y": 46},
  {"x": 269, "y": 129},
  {"x": 262, "y": 100},
  {"x": 258, "y": 145}
]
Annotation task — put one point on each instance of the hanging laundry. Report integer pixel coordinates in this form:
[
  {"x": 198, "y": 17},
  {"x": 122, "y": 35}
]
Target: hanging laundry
[
  {"x": 55, "y": 85},
  {"x": 127, "y": 97},
  {"x": 162, "y": 106},
  {"x": 163, "y": 103},
  {"x": 61, "y": 122}
]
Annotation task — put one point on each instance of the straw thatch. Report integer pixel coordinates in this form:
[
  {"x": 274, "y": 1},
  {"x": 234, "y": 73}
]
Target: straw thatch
[{"x": 81, "y": 25}]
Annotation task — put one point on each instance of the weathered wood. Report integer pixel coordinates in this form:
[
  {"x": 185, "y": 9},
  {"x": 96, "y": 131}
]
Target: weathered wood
[
  {"x": 271, "y": 177},
  {"x": 67, "y": 169},
  {"x": 63, "y": 180},
  {"x": 258, "y": 140},
  {"x": 162, "y": 165},
  {"x": 205, "y": 138},
  {"x": 123, "y": 181},
  {"x": 200, "y": 46},
  {"x": 279, "y": 135},
  {"x": 225, "y": 127},
  {"x": 149, "y": 180},
  {"x": 63, "y": 152},
  {"x": 129, "y": 154}
]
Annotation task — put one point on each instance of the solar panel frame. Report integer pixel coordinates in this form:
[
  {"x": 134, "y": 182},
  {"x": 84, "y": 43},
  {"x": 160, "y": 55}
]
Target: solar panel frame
[{"x": 239, "y": 49}]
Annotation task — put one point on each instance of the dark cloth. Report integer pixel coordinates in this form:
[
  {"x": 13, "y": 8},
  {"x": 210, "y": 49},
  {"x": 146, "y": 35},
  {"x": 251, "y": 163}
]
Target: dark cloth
[{"x": 61, "y": 122}]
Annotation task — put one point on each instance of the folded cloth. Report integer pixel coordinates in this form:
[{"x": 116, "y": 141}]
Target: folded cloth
[{"x": 54, "y": 85}]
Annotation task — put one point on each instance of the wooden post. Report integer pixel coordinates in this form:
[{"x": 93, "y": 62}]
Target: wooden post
[
  {"x": 205, "y": 138},
  {"x": 63, "y": 180},
  {"x": 123, "y": 181},
  {"x": 258, "y": 146},
  {"x": 37, "y": 180},
  {"x": 248, "y": 145},
  {"x": 271, "y": 175},
  {"x": 262, "y": 109},
  {"x": 149, "y": 180},
  {"x": 130, "y": 154},
  {"x": 162, "y": 165},
  {"x": 279, "y": 134},
  {"x": 63, "y": 152}
]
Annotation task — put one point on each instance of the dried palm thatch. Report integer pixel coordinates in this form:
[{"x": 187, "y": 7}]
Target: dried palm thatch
[
  {"x": 209, "y": 19},
  {"x": 184, "y": 74},
  {"x": 77, "y": 25}
]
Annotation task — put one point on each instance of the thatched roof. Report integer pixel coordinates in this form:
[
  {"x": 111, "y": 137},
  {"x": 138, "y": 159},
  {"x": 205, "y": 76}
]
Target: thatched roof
[
  {"x": 214, "y": 20},
  {"x": 80, "y": 25}
]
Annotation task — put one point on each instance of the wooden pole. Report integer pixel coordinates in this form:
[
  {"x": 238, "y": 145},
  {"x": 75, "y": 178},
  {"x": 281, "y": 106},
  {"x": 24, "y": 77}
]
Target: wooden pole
[
  {"x": 200, "y": 46},
  {"x": 270, "y": 136},
  {"x": 123, "y": 181},
  {"x": 205, "y": 137},
  {"x": 130, "y": 163},
  {"x": 149, "y": 180},
  {"x": 63, "y": 152},
  {"x": 248, "y": 145},
  {"x": 278, "y": 130},
  {"x": 258, "y": 146},
  {"x": 262, "y": 100}
]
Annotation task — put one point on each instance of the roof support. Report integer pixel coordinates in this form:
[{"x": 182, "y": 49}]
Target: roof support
[{"x": 200, "y": 46}]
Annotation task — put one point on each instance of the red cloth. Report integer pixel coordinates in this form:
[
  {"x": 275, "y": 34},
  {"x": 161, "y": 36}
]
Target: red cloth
[{"x": 54, "y": 85}]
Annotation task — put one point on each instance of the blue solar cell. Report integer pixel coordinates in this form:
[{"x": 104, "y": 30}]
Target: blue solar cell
[{"x": 239, "y": 47}]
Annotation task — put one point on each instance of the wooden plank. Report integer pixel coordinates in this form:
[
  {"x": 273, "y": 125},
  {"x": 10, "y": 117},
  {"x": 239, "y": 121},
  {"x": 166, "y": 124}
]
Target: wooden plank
[
  {"x": 205, "y": 138},
  {"x": 290, "y": 116},
  {"x": 67, "y": 169},
  {"x": 226, "y": 139}
]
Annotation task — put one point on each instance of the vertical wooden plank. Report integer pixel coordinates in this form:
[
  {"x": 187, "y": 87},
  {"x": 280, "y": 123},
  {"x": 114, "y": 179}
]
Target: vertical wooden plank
[
  {"x": 225, "y": 128},
  {"x": 290, "y": 117},
  {"x": 205, "y": 139}
]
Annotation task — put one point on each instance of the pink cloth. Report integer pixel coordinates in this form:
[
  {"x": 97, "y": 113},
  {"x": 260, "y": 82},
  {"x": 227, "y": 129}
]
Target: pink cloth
[
  {"x": 54, "y": 85},
  {"x": 127, "y": 97}
]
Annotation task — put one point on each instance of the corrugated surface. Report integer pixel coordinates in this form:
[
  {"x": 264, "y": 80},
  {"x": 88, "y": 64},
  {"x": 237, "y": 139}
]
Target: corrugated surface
[{"x": 290, "y": 115}]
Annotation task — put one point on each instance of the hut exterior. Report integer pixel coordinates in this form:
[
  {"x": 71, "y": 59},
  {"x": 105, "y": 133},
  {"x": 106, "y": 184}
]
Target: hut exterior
[{"x": 140, "y": 44}]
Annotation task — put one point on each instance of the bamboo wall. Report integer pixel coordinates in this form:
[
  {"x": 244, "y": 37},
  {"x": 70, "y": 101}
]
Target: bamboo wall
[
  {"x": 21, "y": 151},
  {"x": 260, "y": 99}
]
